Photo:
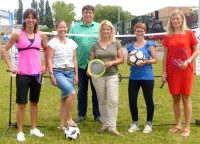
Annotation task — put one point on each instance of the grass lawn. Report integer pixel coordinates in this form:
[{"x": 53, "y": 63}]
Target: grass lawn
[{"x": 49, "y": 116}]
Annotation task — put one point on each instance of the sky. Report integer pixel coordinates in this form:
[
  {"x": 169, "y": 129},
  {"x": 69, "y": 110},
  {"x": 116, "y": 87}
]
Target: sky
[{"x": 135, "y": 7}]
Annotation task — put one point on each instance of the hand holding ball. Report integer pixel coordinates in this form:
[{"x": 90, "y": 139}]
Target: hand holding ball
[{"x": 136, "y": 57}]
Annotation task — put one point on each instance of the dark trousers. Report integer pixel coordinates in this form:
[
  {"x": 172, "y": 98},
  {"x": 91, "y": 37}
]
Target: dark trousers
[
  {"x": 147, "y": 89},
  {"x": 83, "y": 95}
]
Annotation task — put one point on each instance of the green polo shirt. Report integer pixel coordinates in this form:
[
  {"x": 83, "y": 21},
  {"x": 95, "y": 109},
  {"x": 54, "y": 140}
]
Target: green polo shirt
[{"x": 84, "y": 42}]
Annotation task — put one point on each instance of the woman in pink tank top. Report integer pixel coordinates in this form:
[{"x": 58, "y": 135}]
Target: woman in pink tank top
[{"x": 29, "y": 41}]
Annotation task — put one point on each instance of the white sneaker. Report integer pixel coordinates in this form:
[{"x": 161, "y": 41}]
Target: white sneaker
[
  {"x": 147, "y": 129},
  {"x": 20, "y": 136},
  {"x": 133, "y": 128},
  {"x": 36, "y": 132}
]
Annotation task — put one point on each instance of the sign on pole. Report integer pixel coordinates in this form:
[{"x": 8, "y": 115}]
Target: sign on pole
[{"x": 197, "y": 32}]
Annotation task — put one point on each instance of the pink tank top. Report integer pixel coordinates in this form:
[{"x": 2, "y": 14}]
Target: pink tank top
[{"x": 29, "y": 54}]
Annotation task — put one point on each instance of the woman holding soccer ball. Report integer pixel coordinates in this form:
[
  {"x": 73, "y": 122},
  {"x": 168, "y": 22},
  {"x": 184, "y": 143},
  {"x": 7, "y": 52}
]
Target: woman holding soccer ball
[{"x": 141, "y": 75}]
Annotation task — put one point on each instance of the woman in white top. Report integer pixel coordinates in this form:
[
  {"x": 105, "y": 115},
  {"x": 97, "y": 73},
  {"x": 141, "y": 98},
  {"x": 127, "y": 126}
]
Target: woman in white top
[{"x": 62, "y": 65}]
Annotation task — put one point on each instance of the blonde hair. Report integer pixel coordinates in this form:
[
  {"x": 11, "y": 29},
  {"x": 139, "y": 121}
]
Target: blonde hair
[
  {"x": 109, "y": 24},
  {"x": 170, "y": 28}
]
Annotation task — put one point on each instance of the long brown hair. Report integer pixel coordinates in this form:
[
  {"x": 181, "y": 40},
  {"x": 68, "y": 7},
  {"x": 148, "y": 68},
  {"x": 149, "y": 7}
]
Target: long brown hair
[{"x": 26, "y": 14}]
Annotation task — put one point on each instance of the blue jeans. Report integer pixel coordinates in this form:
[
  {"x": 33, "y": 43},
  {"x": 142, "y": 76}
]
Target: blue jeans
[
  {"x": 65, "y": 81},
  {"x": 83, "y": 92}
]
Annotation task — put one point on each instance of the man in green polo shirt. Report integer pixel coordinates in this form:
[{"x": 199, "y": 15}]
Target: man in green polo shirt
[{"x": 89, "y": 34}]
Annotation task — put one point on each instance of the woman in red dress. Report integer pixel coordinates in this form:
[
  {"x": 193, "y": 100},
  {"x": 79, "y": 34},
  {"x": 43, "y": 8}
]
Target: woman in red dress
[{"x": 180, "y": 76}]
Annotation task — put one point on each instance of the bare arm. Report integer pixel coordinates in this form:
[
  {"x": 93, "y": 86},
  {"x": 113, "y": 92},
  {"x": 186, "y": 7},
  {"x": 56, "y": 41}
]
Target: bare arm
[
  {"x": 153, "y": 59},
  {"x": 120, "y": 58},
  {"x": 164, "y": 73},
  {"x": 44, "y": 46},
  {"x": 195, "y": 52},
  {"x": 49, "y": 57},
  {"x": 75, "y": 67},
  {"x": 92, "y": 56},
  {"x": 13, "y": 39}
]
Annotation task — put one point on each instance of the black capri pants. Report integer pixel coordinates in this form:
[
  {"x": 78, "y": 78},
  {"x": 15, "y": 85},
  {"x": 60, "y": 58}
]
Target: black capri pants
[
  {"x": 147, "y": 89},
  {"x": 24, "y": 83}
]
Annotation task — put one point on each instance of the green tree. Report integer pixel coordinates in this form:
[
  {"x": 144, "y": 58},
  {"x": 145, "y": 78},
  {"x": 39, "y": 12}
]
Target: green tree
[
  {"x": 15, "y": 14},
  {"x": 41, "y": 12},
  {"x": 48, "y": 20},
  {"x": 110, "y": 13},
  {"x": 63, "y": 11},
  {"x": 192, "y": 18},
  {"x": 19, "y": 12},
  {"x": 34, "y": 5}
]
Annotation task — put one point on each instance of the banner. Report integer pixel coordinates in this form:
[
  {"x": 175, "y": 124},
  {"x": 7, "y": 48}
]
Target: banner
[
  {"x": 11, "y": 18},
  {"x": 197, "y": 32},
  {"x": 14, "y": 57}
]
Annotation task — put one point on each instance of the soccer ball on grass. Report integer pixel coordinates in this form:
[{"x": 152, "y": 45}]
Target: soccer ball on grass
[{"x": 72, "y": 133}]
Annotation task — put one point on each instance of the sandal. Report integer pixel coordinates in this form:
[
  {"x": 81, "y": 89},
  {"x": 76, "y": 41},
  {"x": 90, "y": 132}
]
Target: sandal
[
  {"x": 116, "y": 133},
  {"x": 185, "y": 133},
  {"x": 61, "y": 129},
  {"x": 71, "y": 123},
  {"x": 174, "y": 129},
  {"x": 102, "y": 129}
]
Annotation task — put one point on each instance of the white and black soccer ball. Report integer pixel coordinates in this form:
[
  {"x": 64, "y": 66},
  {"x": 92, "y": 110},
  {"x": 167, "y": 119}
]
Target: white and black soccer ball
[
  {"x": 72, "y": 133},
  {"x": 136, "y": 57}
]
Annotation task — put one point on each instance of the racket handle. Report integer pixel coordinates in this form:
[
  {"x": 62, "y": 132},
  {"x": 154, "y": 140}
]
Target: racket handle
[
  {"x": 120, "y": 77},
  {"x": 162, "y": 85}
]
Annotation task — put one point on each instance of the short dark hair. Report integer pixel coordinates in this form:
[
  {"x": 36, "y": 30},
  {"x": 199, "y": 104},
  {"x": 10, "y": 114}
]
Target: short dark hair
[
  {"x": 26, "y": 14},
  {"x": 88, "y": 7},
  {"x": 140, "y": 25}
]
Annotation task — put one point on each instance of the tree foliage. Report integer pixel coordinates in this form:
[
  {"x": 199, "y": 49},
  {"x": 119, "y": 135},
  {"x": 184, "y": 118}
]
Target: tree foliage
[
  {"x": 41, "y": 12},
  {"x": 63, "y": 11},
  {"x": 192, "y": 18},
  {"x": 110, "y": 13},
  {"x": 34, "y": 5},
  {"x": 19, "y": 12},
  {"x": 48, "y": 20}
]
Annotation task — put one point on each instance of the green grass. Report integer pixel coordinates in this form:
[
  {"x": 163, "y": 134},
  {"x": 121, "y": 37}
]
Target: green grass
[{"x": 49, "y": 116}]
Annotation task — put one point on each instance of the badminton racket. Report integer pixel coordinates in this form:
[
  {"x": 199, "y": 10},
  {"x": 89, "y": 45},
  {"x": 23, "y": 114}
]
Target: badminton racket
[
  {"x": 162, "y": 85},
  {"x": 179, "y": 57},
  {"x": 96, "y": 68}
]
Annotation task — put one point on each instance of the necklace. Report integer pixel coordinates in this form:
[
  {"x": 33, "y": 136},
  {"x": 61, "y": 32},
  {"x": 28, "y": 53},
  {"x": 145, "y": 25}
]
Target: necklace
[{"x": 29, "y": 32}]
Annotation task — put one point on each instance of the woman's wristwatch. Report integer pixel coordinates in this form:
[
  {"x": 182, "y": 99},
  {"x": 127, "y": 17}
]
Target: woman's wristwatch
[{"x": 189, "y": 61}]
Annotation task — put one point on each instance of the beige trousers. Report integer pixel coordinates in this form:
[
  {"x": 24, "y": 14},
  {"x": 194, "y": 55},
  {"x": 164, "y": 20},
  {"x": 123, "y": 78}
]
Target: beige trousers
[{"x": 107, "y": 89}]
